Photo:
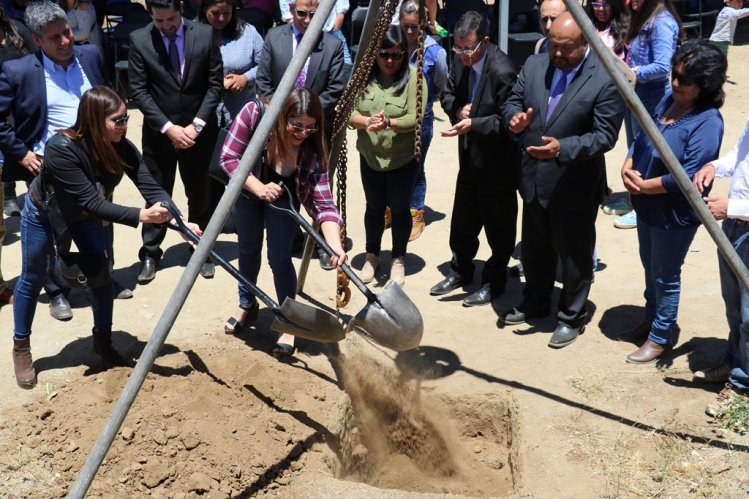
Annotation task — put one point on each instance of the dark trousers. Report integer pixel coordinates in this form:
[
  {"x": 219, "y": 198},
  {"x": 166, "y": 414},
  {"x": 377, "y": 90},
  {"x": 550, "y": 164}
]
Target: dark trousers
[
  {"x": 202, "y": 191},
  {"x": 483, "y": 201},
  {"x": 570, "y": 235},
  {"x": 388, "y": 188}
]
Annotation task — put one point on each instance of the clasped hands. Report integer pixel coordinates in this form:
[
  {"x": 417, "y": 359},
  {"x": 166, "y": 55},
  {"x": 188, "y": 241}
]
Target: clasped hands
[
  {"x": 549, "y": 150},
  {"x": 182, "y": 137},
  {"x": 376, "y": 122}
]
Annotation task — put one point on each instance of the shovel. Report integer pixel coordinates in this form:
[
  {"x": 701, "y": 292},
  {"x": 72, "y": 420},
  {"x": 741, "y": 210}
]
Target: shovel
[
  {"x": 292, "y": 317},
  {"x": 390, "y": 318}
]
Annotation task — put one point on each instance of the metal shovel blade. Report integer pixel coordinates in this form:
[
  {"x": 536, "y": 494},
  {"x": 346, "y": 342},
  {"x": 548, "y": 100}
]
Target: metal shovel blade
[
  {"x": 307, "y": 322},
  {"x": 393, "y": 320}
]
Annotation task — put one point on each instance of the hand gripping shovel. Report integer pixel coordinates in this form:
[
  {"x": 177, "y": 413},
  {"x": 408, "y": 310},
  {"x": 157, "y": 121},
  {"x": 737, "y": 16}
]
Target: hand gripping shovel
[
  {"x": 390, "y": 318},
  {"x": 292, "y": 317}
]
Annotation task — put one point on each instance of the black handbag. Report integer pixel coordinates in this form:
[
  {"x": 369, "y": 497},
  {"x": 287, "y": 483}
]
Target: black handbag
[
  {"x": 84, "y": 270},
  {"x": 259, "y": 170}
]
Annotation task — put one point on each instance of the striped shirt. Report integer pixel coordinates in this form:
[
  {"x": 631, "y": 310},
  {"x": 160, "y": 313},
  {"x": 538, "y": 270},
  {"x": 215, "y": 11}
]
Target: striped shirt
[{"x": 312, "y": 186}]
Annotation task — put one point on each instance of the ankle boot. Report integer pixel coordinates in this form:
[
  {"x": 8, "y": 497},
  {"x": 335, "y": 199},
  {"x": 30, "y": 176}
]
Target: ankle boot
[
  {"x": 370, "y": 268},
  {"x": 108, "y": 356},
  {"x": 23, "y": 364},
  {"x": 398, "y": 272}
]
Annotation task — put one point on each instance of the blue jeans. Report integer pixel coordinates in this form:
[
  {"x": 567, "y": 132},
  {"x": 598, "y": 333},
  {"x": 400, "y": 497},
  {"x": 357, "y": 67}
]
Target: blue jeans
[
  {"x": 36, "y": 249},
  {"x": 736, "y": 299},
  {"x": 420, "y": 187},
  {"x": 650, "y": 94},
  {"x": 252, "y": 216},
  {"x": 662, "y": 253}
]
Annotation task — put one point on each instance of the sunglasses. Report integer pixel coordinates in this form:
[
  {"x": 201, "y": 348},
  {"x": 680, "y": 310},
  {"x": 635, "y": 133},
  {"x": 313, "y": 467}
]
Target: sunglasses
[
  {"x": 600, "y": 5},
  {"x": 121, "y": 121},
  {"x": 682, "y": 78},
  {"x": 300, "y": 129},
  {"x": 395, "y": 56},
  {"x": 410, "y": 27},
  {"x": 468, "y": 52},
  {"x": 306, "y": 13}
]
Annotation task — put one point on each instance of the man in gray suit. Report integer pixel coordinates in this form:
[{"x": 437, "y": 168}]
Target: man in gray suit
[
  {"x": 323, "y": 73},
  {"x": 566, "y": 112}
]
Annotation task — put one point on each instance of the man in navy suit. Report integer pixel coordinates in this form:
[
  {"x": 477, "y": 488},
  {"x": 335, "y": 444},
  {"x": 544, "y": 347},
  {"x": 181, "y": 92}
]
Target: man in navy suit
[{"x": 39, "y": 94}]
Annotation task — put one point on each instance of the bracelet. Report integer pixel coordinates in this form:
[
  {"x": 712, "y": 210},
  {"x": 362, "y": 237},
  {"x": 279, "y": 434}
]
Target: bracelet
[{"x": 387, "y": 123}]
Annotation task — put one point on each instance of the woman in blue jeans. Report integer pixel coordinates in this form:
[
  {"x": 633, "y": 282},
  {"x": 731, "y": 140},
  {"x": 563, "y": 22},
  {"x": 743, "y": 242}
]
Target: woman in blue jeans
[
  {"x": 693, "y": 128},
  {"x": 435, "y": 75},
  {"x": 297, "y": 156},
  {"x": 654, "y": 32},
  {"x": 82, "y": 166}
]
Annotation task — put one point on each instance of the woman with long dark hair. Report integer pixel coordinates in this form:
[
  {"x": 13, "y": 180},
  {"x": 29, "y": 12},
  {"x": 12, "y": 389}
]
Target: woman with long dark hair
[
  {"x": 82, "y": 166},
  {"x": 296, "y": 155},
  {"x": 241, "y": 46},
  {"x": 385, "y": 117},
  {"x": 611, "y": 19}
]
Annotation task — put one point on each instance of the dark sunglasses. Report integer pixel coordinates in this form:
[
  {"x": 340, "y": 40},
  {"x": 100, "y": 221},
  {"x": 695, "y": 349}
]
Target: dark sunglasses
[
  {"x": 121, "y": 121},
  {"x": 306, "y": 13},
  {"x": 600, "y": 5},
  {"x": 300, "y": 129},
  {"x": 681, "y": 78},
  {"x": 396, "y": 56}
]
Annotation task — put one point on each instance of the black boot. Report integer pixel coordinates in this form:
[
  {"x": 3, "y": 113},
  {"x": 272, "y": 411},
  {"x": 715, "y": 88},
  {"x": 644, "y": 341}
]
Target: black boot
[{"x": 108, "y": 356}]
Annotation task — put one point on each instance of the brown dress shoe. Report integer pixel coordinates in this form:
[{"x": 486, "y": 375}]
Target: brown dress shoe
[
  {"x": 648, "y": 353},
  {"x": 23, "y": 364},
  {"x": 636, "y": 335}
]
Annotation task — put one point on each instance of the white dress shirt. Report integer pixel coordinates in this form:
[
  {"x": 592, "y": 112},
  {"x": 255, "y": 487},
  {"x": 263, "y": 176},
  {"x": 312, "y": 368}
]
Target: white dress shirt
[{"x": 735, "y": 164}]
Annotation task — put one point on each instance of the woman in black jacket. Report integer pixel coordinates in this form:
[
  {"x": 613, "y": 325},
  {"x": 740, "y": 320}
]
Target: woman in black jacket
[{"x": 69, "y": 201}]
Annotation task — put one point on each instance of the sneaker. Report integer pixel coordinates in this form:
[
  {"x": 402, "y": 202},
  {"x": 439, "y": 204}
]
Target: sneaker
[
  {"x": 626, "y": 221},
  {"x": 718, "y": 374},
  {"x": 370, "y": 267},
  {"x": 621, "y": 207},
  {"x": 417, "y": 224},
  {"x": 725, "y": 399}
]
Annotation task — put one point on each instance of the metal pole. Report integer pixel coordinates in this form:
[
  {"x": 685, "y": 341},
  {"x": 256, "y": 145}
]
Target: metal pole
[
  {"x": 184, "y": 285},
  {"x": 503, "y": 23},
  {"x": 648, "y": 126},
  {"x": 335, "y": 147}
]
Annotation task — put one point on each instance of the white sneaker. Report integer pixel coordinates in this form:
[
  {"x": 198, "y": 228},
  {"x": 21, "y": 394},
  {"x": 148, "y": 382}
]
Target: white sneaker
[
  {"x": 626, "y": 221},
  {"x": 398, "y": 272},
  {"x": 370, "y": 267},
  {"x": 621, "y": 207}
]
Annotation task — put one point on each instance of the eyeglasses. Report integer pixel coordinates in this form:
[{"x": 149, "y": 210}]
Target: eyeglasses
[
  {"x": 548, "y": 19},
  {"x": 410, "y": 27},
  {"x": 300, "y": 129},
  {"x": 682, "y": 78},
  {"x": 306, "y": 13},
  {"x": 121, "y": 121},
  {"x": 600, "y": 5},
  {"x": 395, "y": 56},
  {"x": 467, "y": 52}
]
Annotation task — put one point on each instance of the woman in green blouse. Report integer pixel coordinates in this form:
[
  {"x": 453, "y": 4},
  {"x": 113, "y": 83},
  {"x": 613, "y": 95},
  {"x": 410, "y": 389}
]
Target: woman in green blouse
[{"x": 385, "y": 117}]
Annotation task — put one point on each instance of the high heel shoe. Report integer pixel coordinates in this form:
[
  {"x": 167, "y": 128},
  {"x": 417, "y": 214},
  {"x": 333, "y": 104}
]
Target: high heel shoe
[{"x": 233, "y": 326}]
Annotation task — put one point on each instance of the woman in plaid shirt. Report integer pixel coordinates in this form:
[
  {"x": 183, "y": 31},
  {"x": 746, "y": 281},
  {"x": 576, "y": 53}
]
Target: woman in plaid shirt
[{"x": 295, "y": 154}]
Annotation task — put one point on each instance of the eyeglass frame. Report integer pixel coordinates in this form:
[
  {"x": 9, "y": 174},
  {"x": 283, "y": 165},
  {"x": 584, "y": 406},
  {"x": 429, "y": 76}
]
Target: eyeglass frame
[
  {"x": 121, "y": 121},
  {"x": 394, "y": 56},
  {"x": 304, "y": 14},
  {"x": 300, "y": 129},
  {"x": 600, "y": 5},
  {"x": 467, "y": 52}
]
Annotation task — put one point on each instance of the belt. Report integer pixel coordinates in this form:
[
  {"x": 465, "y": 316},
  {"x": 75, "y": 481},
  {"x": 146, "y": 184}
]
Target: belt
[{"x": 738, "y": 221}]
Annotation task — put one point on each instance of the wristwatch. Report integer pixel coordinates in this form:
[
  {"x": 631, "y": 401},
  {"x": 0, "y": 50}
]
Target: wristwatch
[{"x": 198, "y": 127}]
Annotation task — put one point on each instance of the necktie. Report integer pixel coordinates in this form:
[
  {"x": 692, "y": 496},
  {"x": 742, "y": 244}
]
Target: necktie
[
  {"x": 556, "y": 94},
  {"x": 174, "y": 58},
  {"x": 473, "y": 79},
  {"x": 302, "y": 78}
]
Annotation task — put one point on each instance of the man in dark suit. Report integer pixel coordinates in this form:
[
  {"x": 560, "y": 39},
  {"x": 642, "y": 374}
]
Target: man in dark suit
[
  {"x": 566, "y": 113},
  {"x": 176, "y": 79},
  {"x": 39, "y": 94},
  {"x": 480, "y": 80},
  {"x": 323, "y": 72}
]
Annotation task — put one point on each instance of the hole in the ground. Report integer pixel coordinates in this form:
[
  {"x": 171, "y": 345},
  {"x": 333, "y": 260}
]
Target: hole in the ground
[{"x": 394, "y": 435}]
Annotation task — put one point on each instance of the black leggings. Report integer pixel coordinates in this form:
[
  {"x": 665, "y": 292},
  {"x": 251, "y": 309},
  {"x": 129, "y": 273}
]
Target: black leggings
[{"x": 388, "y": 188}]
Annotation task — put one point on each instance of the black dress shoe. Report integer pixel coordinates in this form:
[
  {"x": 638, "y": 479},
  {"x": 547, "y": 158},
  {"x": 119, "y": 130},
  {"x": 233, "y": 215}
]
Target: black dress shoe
[
  {"x": 519, "y": 315},
  {"x": 147, "y": 270},
  {"x": 208, "y": 270},
  {"x": 481, "y": 296},
  {"x": 452, "y": 282},
  {"x": 565, "y": 334},
  {"x": 324, "y": 259}
]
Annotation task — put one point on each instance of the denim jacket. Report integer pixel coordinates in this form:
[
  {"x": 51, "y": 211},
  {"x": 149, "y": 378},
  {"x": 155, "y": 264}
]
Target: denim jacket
[{"x": 651, "y": 50}]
